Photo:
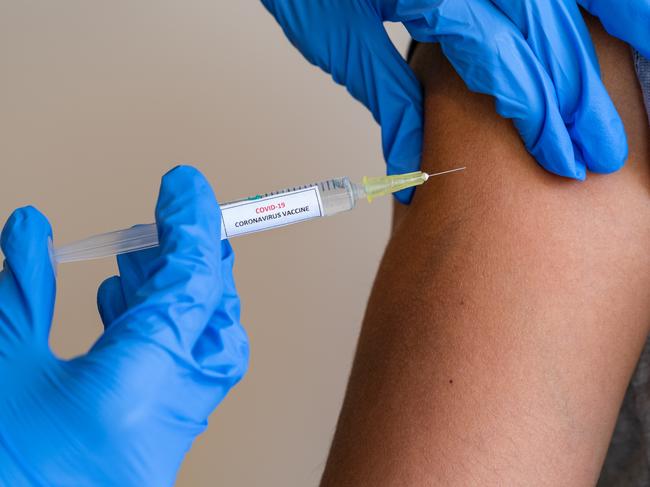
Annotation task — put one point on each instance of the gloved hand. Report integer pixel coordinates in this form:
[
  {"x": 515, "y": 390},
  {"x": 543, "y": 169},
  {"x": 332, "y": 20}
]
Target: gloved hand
[
  {"x": 127, "y": 411},
  {"x": 628, "y": 20},
  {"x": 347, "y": 39},
  {"x": 535, "y": 57}
]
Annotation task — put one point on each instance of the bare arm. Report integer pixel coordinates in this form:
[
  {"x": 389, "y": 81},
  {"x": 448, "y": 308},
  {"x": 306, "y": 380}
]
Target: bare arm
[{"x": 509, "y": 310}]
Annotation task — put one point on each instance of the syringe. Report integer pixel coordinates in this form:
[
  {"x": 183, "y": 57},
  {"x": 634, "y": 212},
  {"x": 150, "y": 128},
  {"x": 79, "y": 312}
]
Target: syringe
[{"x": 256, "y": 213}]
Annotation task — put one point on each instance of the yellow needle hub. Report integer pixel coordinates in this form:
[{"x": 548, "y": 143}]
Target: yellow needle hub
[{"x": 385, "y": 185}]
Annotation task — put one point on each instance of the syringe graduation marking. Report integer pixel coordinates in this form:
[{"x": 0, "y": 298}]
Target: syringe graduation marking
[{"x": 287, "y": 190}]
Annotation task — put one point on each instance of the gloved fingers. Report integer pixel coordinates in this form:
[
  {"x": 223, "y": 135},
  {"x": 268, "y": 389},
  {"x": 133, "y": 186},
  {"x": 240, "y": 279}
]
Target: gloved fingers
[
  {"x": 628, "y": 20},
  {"x": 27, "y": 283},
  {"x": 183, "y": 283},
  {"x": 492, "y": 57},
  {"x": 222, "y": 348},
  {"x": 219, "y": 358},
  {"x": 110, "y": 300},
  {"x": 367, "y": 63},
  {"x": 394, "y": 95},
  {"x": 135, "y": 269},
  {"x": 356, "y": 50},
  {"x": 558, "y": 36}
]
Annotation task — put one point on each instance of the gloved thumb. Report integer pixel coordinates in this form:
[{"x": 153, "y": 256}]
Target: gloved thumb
[
  {"x": 387, "y": 86},
  {"x": 351, "y": 43},
  {"x": 27, "y": 282}
]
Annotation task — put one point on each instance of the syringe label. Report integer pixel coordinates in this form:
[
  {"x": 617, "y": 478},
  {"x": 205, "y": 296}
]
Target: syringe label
[{"x": 270, "y": 212}]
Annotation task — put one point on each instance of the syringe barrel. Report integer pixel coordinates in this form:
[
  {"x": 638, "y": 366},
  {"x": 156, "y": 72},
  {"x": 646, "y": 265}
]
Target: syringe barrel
[
  {"x": 255, "y": 214},
  {"x": 338, "y": 195},
  {"x": 249, "y": 215}
]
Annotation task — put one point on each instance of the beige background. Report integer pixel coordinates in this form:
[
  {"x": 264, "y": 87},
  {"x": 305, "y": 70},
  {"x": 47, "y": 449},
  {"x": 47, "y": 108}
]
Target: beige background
[{"x": 99, "y": 99}]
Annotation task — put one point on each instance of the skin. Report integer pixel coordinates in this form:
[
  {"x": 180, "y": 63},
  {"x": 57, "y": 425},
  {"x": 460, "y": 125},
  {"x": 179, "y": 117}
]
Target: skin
[{"x": 509, "y": 310}]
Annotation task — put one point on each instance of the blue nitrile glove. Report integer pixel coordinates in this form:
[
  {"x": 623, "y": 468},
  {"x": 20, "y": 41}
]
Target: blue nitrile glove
[
  {"x": 628, "y": 20},
  {"x": 537, "y": 59},
  {"x": 126, "y": 412},
  {"x": 347, "y": 39},
  {"x": 534, "y": 57}
]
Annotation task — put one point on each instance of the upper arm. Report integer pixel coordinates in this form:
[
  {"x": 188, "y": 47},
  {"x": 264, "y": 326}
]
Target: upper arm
[{"x": 509, "y": 310}]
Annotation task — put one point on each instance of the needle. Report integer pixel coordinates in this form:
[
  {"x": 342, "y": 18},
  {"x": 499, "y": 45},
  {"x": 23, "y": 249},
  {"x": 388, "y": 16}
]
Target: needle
[{"x": 444, "y": 172}]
